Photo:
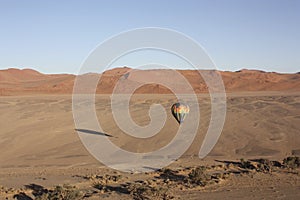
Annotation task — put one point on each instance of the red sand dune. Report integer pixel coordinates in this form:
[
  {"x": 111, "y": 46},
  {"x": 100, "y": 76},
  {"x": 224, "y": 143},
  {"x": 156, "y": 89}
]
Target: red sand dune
[{"x": 27, "y": 81}]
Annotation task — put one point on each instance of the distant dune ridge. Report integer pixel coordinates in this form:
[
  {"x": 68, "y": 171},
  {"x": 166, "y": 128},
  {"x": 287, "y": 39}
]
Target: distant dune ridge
[{"x": 28, "y": 81}]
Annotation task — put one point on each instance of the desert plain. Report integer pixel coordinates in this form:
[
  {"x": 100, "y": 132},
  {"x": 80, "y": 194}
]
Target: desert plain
[{"x": 42, "y": 154}]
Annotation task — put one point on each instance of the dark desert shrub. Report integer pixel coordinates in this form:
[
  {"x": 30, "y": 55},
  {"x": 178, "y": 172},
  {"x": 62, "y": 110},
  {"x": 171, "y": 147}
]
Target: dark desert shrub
[
  {"x": 199, "y": 176},
  {"x": 245, "y": 164},
  {"x": 291, "y": 162},
  {"x": 147, "y": 192},
  {"x": 65, "y": 192},
  {"x": 264, "y": 165}
]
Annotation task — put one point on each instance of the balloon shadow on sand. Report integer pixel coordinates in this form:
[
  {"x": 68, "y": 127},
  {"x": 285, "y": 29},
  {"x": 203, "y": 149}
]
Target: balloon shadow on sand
[{"x": 93, "y": 132}]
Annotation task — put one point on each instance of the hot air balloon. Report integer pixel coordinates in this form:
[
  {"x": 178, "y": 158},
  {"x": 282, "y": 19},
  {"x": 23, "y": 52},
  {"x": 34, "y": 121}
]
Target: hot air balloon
[{"x": 180, "y": 111}]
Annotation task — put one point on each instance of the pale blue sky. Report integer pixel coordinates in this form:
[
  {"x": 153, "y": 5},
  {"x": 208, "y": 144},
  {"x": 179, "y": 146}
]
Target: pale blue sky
[{"x": 56, "y": 36}]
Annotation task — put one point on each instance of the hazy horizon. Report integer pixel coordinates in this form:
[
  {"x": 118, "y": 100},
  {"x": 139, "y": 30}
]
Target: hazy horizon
[{"x": 115, "y": 67}]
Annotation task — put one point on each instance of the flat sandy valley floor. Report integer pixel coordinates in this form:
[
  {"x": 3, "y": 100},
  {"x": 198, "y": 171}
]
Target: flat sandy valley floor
[{"x": 40, "y": 149}]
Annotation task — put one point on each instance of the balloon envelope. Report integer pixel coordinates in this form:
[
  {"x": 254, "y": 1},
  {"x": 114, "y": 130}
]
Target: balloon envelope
[{"x": 180, "y": 111}]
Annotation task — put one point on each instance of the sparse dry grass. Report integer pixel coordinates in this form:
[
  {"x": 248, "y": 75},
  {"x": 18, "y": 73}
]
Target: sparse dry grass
[{"x": 160, "y": 184}]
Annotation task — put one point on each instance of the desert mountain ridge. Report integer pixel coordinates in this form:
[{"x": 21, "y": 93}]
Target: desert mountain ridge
[{"x": 28, "y": 81}]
